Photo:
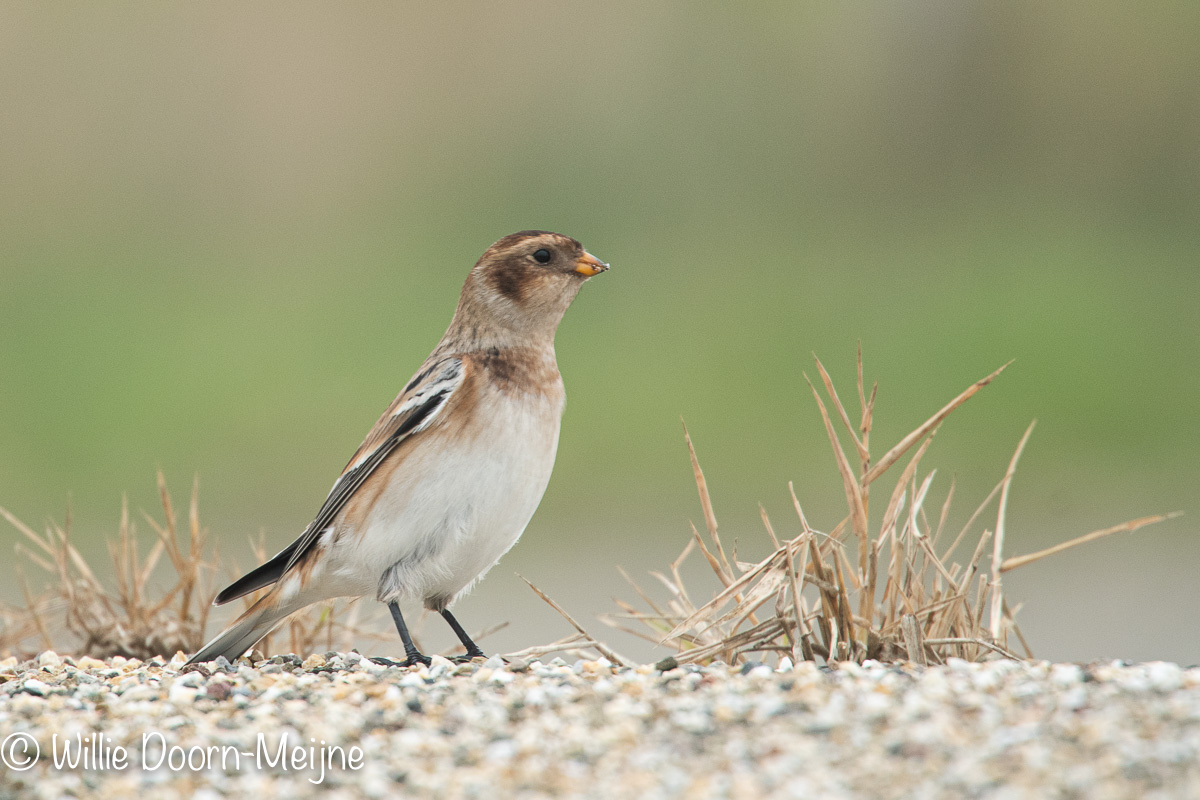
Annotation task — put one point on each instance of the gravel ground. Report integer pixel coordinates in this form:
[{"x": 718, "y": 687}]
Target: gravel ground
[{"x": 342, "y": 726}]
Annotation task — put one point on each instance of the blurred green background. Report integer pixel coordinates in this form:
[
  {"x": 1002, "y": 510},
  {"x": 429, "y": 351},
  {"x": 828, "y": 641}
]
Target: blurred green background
[{"x": 229, "y": 234}]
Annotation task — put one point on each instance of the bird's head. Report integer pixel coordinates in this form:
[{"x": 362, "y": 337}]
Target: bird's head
[{"x": 524, "y": 283}]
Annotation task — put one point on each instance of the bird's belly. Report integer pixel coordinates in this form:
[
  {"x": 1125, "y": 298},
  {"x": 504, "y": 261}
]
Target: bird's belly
[{"x": 453, "y": 508}]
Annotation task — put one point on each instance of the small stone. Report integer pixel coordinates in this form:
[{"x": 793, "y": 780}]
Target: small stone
[
  {"x": 36, "y": 688},
  {"x": 370, "y": 667},
  {"x": 182, "y": 694},
  {"x": 49, "y": 659},
  {"x": 440, "y": 667},
  {"x": 139, "y": 693},
  {"x": 1066, "y": 675},
  {"x": 1164, "y": 676},
  {"x": 192, "y": 679},
  {"x": 495, "y": 662},
  {"x": 195, "y": 669},
  {"x": 667, "y": 664},
  {"x": 313, "y": 661},
  {"x": 219, "y": 690},
  {"x": 518, "y": 665}
]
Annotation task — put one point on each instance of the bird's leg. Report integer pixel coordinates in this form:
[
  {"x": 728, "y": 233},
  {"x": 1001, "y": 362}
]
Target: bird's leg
[
  {"x": 414, "y": 656},
  {"x": 473, "y": 650}
]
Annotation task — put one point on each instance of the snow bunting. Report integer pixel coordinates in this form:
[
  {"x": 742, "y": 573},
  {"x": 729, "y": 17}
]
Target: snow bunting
[{"x": 450, "y": 475}]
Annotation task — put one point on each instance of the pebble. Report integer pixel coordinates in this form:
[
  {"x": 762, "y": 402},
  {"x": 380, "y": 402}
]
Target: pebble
[{"x": 589, "y": 729}]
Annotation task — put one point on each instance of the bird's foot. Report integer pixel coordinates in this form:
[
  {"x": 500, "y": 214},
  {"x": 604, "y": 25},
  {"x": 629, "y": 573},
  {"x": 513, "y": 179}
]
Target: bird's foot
[
  {"x": 468, "y": 657},
  {"x": 413, "y": 660}
]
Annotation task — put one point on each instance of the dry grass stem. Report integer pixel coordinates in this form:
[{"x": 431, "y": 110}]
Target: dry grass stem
[
  {"x": 601, "y": 648},
  {"x": 575, "y": 644},
  {"x": 132, "y": 613},
  {"x": 1125, "y": 527},
  {"x": 858, "y": 592},
  {"x": 998, "y": 541}
]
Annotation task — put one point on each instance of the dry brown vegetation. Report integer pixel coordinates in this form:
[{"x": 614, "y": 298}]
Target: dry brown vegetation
[
  {"x": 79, "y": 612},
  {"x": 123, "y": 609},
  {"x": 894, "y": 591},
  {"x": 897, "y": 593}
]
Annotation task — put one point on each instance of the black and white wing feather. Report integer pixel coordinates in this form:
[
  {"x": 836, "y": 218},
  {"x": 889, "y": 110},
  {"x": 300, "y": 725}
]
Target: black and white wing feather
[{"x": 414, "y": 410}]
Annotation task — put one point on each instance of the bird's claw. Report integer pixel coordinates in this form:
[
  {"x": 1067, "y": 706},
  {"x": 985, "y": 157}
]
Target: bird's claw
[
  {"x": 411, "y": 661},
  {"x": 466, "y": 658}
]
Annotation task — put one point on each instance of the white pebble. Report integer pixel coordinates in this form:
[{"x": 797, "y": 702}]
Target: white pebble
[
  {"x": 440, "y": 667},
  {"x": 1066, "y": 675},
  {"x": 1163, "y": 676}
]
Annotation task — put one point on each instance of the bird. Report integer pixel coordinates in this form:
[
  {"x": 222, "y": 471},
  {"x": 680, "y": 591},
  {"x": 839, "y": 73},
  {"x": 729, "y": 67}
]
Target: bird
[{"x": 450, "y": 475}]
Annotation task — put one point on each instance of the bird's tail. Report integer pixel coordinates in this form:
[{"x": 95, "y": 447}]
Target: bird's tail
[{"x": 246, "y": 630}]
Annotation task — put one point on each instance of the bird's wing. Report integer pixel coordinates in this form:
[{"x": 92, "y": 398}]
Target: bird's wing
[{"x": 413, "y": 410}]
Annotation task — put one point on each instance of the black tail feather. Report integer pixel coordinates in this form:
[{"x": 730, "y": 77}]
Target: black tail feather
[{"x": 257, "y": 578}]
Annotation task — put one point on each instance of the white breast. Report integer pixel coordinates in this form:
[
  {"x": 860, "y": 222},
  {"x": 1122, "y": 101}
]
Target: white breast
[{"x": 455, "y": 505}]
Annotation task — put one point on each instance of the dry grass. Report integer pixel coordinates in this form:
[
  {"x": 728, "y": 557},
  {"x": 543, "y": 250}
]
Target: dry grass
[
  {"x": 896, "y": 593},
  {"x": 79, "y": 612},
  {"x": 123, "y": 609},
  {"x": 127, "y": 612}
]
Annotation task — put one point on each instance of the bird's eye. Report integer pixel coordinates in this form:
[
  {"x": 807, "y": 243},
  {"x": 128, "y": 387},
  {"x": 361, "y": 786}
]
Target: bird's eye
[{"x": 542, "y": 256}]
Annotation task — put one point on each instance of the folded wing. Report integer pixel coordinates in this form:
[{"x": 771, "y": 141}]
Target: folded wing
[{"x": 414, "y": 410}]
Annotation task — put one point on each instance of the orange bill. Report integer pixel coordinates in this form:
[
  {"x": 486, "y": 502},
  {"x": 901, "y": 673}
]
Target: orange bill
[{"x": 589, "y": 265}]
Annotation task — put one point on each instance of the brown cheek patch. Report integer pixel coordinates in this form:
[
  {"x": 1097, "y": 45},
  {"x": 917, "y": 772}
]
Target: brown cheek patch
[{"x": 510, "y": 280}]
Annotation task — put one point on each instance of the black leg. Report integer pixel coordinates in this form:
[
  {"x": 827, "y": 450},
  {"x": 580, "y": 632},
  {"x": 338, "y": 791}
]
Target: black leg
[
  {"x": 473, "y": 650},
  {"x": 414, "y": 656}
]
